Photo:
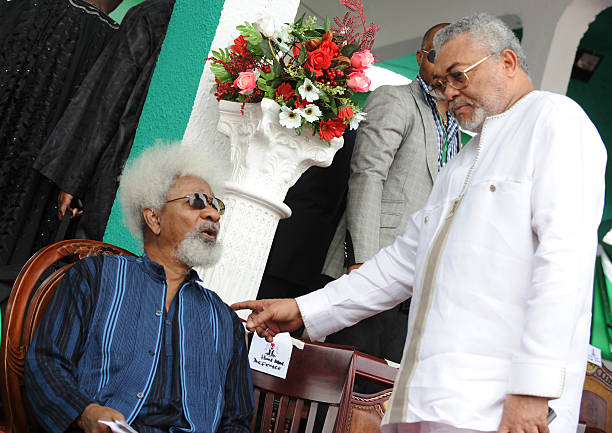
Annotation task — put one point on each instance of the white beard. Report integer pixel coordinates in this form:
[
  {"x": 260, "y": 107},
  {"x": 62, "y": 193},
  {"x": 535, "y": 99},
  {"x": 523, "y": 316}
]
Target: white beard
[
  {"x": 195, "y": 251},
  {"x": 474, "y": 124}
]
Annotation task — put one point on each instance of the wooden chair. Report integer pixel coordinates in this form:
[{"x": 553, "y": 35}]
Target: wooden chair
[
  {"x": 318, "y": 375},
  {"x": 322, "y": 374},
  {"x": 366, "y": 410},
  {"x": 27, "y": 303},
  {"x": 596, "y": 396}
]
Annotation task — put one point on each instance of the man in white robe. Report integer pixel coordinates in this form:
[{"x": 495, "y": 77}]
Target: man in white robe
[{"x": 499, "y": 263}]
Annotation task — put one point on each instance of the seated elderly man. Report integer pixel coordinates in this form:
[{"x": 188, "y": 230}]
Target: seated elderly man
[{"x": 137, "y": 338}]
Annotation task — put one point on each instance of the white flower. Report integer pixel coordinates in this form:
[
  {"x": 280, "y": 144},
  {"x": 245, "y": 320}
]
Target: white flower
[
  {"x": 290, "y": 118},
  {"x": 308, "y": 91},
  {"x": 310, "y": 112},
  {"x": 282, "y": 36},
  {"x": 357, "y": 117},
  {"x": 266, "y": 26}
]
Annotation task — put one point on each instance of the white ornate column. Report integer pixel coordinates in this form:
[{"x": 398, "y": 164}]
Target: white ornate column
[{"x": 267, "y": 160}]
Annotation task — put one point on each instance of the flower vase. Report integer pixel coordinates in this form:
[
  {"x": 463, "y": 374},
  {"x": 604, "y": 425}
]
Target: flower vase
[{"x": 267, "y": 159}]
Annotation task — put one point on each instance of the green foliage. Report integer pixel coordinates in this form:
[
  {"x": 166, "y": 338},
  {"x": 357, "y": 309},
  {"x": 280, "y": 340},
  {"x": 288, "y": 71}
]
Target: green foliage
[
  {"x": 299, "y": 21},
  {"x": 334, "y": 108},
  {"x": 250, "y": 33},
  {"x": 266, "y": 49},
  {"x": 218, "y": 69},
  {"x": 253, "y": 38},
  {"x": 349, "y": 50},
  {"x": 277, "y": 68}
]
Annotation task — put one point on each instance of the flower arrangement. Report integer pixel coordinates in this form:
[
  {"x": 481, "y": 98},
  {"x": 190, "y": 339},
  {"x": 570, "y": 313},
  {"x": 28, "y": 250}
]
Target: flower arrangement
[{"x": 310, "y": 70}]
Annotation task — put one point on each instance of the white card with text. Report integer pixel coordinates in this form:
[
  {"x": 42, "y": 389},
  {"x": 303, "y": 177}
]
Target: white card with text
[
  {"x": 271, "y": 358},
  {"x": 594, "y": 356}
]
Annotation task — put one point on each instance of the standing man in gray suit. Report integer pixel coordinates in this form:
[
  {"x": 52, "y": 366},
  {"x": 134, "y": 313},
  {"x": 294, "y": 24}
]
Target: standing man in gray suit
[{"x": 405, "y": 140}]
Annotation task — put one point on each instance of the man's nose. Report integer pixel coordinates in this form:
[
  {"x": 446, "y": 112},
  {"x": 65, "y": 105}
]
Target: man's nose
[
  {"x": 450, "y": 92},
  {"x": 210, "y": 213}
]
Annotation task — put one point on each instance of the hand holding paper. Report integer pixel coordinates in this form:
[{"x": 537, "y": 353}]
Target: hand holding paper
[{"x": 119, "y": 426}]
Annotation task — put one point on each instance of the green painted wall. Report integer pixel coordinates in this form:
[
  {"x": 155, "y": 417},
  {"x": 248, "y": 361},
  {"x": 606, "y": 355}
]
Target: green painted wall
[
  {"x": 122, "y": 9},
  {"x": 595, "y": 96},
  {"x": 172, "y": 91}
]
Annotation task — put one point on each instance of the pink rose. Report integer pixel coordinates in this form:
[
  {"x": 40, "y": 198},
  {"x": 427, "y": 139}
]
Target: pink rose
[
  {"x": 358, "y": 82},
  {"x": 246, "y": 81},
  {"x": 362, "y": 59}
]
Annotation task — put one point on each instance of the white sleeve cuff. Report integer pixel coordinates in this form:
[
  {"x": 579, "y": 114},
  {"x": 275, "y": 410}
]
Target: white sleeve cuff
[
  {"x": 537, "y": 379},
  {"x": 315, "y": 311}
]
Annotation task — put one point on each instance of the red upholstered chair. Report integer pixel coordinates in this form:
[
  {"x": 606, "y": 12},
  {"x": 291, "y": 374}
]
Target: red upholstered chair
[{"x": 29, "y": 298}]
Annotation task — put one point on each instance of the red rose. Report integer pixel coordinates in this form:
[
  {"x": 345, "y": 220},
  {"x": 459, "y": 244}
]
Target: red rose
[
  {"x": 318, "y": 60},
  {"x": 329, "y": 129},
  {"x": 330, "y": 48},
  {"x": 286, "y": 91},
  {"x": 240, "y": 44}
]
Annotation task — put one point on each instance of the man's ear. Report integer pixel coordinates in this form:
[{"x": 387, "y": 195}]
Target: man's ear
[
  {"x": 151, "y": 217},
  {"x": 509, "y": 62},
  {"x": 419, "y": 57}
]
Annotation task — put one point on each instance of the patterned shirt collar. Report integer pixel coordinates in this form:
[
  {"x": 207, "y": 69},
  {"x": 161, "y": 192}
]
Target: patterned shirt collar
[{"x": 448, "y": 135}]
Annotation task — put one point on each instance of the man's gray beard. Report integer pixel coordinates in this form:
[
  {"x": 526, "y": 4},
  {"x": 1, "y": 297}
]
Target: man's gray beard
[
  {"x": 195, "y": 251},
  {"x": 479, "y": 115},
  {"x": 490, "y": 104}
]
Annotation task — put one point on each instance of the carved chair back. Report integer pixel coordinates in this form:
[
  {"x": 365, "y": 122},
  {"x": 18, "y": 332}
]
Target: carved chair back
[
  {"x": 320, "y": 376},
  {"x": 366, "y": 410},
  {"x": 28, "y": 300},
  {"x": 596, "y": 396}
]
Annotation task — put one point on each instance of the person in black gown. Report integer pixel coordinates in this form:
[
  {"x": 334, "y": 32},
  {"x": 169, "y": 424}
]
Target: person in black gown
[
  {"x": 317, "y": 201},
  {"x": 86, "y": 151},
  {"x": 46, "y": 49}
]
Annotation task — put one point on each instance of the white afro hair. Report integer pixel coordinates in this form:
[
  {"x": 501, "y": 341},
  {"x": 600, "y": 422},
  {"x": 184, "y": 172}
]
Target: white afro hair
[{"x": 146, "y": 180}]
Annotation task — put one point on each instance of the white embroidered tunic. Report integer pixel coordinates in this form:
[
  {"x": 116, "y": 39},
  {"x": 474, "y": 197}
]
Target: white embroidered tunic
[{"x": 501, "y": 261}]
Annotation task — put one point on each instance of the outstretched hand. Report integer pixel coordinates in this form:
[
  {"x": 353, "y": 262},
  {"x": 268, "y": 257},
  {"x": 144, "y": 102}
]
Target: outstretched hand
[{"x": 271, "y": 316}]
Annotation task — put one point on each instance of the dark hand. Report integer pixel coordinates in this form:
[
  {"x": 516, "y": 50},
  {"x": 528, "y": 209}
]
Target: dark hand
[
  {"x": 88, "y": 421},
  {"x": 353, "y": 267},
  {"x": 271, "y": 316},
  {"x": 63, "y": 204},
  {"x": 524, "y": 414}
]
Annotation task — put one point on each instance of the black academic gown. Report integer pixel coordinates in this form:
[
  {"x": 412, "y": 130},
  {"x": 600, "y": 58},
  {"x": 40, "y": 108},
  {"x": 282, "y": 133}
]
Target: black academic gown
[
  {"x": 86, "y": 152},
  {"x": 46, "y": 49}
]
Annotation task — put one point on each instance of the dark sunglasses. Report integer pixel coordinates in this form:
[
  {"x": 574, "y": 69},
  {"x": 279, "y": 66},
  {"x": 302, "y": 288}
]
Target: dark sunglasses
[
  {"x": 431, "y": 55},
  {"x": 199, "y": 200}
]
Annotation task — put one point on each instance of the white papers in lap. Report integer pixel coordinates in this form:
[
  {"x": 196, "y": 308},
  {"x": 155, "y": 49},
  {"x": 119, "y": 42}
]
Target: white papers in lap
[{"x": 119, "y": 426}]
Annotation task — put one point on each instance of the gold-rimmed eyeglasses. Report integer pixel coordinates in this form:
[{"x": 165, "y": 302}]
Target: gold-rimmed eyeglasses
[
  {"x": 456, "y": 79},
  {"x": 199, "y": 201}
]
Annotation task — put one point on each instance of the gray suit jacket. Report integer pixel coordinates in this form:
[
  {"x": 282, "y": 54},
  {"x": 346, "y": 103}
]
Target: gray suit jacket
[{"x": 394, "y": 165}]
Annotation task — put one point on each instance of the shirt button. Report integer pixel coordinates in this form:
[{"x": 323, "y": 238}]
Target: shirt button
[
  {"x": 492, "y": 188},
  {"x": 158, "y": 313},
  {"x": 426, "y": 219},
  {"x": 168, "y": 322},
  {"x": 151, "y": 352},
  {"x": 140, "y": 395}
]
